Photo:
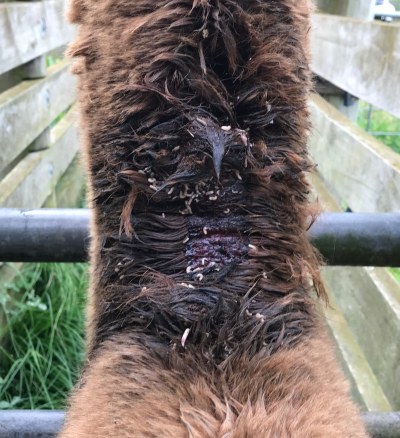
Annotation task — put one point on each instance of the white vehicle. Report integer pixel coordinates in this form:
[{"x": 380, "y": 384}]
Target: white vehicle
[{"x": 384, "y": 8}]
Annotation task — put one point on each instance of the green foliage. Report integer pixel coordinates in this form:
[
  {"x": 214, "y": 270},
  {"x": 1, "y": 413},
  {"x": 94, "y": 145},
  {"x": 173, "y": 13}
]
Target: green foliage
[
  {"x": 41, "y": 348},
  {"x": 396, "y": 3},
  {"x": 380, "y": 122},
  {"x": 396, "y": 273},
  {"x": 52, "y": 60}
]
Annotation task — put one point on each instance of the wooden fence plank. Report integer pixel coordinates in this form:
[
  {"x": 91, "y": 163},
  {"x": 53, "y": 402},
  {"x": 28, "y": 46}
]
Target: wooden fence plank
[
  {"x": 365, "y": 387},
  {"x": 27, "y": 109},
  {"x": 28, "y": 30},
  {"x": 361, "y": 57},
  {"x": 362, "y": 172},
  {"x": 32, "y": 181},
  {"x": 368, "y": 298},
  {"x": 70, "y": 189}
]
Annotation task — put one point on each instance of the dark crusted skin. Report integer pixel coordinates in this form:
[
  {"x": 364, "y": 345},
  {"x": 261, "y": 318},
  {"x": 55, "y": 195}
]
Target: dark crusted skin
[{"x": 194, "y": 113}]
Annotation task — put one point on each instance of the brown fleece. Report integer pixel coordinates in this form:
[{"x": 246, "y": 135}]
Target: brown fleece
[{"x": 202, "y": 320}]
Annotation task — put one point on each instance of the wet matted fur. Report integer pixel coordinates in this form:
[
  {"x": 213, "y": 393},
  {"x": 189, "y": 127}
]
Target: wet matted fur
[{"x": 203, "y": 319}]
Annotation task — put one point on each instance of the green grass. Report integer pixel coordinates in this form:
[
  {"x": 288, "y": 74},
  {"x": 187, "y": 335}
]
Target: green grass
[
  {"x": 396, "y": 273},
  {"x": 380, "y": 122},
  {"x": 41, "y": 348}
]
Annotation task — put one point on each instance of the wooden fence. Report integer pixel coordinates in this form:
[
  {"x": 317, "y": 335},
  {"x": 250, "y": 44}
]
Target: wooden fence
[
  {"x": 38, "y": 136},
  {"x": 355, "y": 170}
]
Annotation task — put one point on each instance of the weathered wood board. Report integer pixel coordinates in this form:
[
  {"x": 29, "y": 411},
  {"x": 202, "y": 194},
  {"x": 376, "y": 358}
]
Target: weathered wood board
[
  {"x": 70, "y": 189},
  {"x": 370, "y": 301},
  {"x": 28, "y": 108},
  {"x": 360, "y": 171},
  {"x": 361, "y": 57},
  {"x": 30, "y": 29},
  {"x": 365, "y": 386},
  {"x": 34, "y": 178}
]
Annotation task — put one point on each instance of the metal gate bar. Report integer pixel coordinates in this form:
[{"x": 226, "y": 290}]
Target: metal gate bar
[
  {"x": 30, "y": 424},
  {"x": 45, "y": 424},
  {"x": 61, "y": 235},
  {"x": 383, "y": 424}
]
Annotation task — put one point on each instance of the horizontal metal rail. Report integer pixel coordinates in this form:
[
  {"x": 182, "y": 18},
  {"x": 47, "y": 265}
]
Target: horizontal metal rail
[
  {"x": 44, "y": 235},
  {"x": 61, "y": 235},
  {"x": 30, "y": 424},
  {"x": 45, "y": 424},
  {"x": 383, "y": 424}
]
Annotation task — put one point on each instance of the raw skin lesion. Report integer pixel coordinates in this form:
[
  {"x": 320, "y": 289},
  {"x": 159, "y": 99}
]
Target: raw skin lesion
[{"x": 215, "y": 244}]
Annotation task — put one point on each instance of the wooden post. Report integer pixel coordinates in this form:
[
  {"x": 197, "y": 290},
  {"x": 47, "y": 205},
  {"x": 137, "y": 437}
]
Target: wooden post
[
  {"x": 364, "y": 10},
  {"x": 36, "y": 69}
]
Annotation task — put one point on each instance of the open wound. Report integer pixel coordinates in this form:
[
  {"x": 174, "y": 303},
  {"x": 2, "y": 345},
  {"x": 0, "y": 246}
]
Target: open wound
[{"x": 214, "y": 245}]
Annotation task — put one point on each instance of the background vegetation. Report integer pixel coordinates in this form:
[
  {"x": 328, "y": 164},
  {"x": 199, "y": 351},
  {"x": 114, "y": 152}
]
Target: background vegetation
[
  {"x": 41, "y": 346},
  {"x": 380, "y": 121},
  {"x": 396, "y": 3}
]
